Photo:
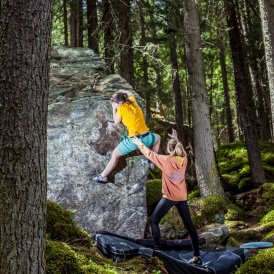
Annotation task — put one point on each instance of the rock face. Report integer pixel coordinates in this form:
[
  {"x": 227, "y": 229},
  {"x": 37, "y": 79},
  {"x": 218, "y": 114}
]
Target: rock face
[
  {"x": 216, "y": 234},
  {"x": 81, "y": 138}
]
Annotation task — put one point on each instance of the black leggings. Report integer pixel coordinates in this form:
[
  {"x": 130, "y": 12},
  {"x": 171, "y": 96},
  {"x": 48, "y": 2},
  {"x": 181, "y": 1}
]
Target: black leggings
[{"x": 162, "y": 208}]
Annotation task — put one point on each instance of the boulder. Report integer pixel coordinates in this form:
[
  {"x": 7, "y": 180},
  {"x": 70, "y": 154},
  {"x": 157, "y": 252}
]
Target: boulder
[
  {"x": 81, "y": 138},
  {"x": 215, "y": 234}
]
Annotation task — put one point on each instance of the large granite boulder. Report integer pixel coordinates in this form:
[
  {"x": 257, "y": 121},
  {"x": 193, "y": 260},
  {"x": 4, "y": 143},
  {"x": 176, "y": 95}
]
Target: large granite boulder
[{"x": 81, "y": 138}]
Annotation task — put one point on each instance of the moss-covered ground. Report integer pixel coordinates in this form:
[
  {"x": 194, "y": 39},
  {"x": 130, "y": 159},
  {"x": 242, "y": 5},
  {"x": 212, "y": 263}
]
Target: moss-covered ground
[
  {"x": 251, "y": 220},
  {"x": 70, "y": 250},
  {"x": 234, "y": 168}
]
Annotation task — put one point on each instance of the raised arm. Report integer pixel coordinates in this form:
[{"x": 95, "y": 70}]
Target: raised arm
[{"x": 159, "y": 160}]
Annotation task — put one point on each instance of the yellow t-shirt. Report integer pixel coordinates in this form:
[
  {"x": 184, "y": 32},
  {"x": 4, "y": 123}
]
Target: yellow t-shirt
[{"x": 132, "y": 117}]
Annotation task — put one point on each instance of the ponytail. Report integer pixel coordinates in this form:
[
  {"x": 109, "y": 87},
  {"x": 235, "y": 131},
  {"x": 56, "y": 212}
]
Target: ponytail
[
  {"x": 179, "y": 150},
  {"x": 174, "y": 147}
]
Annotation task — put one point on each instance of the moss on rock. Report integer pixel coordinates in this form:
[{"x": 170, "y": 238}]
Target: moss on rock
[
  {"x": 269, "y": 237},
  {"x": 195, "y": 193},
  {"x": 245, "y": 184},
  {"x": 207, "y": 210},
  {"x": 101, "y": 265},
  {"x": 230, "y": 181},
  {"x": 235, "y": 224},
  {"x": 212, "y": 205},
  {"x": 269, "y": 217},
  {"x": 268, "y": 226},
  {"x": 61, "y": 227},
  {"x": 260, "y": 263},
  {"x": 92, "y": 267},
  {"x": 234, "y": 167},
  {"x": 234, "y": 213},
  {"x": 246, "y": 235},
  {"x": 61, "y": 259},
  {"x": 173, "y": 219},
  {"x": 268, "y": 194}
]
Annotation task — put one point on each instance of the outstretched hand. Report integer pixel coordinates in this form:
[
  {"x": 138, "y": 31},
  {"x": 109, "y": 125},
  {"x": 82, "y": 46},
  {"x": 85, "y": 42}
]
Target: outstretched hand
[
  {"x": 174, "y": 134},
  {"x": 136, "y": 141}
]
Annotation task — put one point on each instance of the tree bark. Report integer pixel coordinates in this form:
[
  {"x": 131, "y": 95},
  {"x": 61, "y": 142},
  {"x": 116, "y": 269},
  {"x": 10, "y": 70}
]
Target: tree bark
[
  {"x": 263, "y": 117},
  {"x": 146, "y": 86},
  {"x": 267, "y": 18},
  {"x": 108, "y": 36},
  {"x": 243, "y": 88},
  {"x": 254, "y": 57},
  {"x": 73, "y": 23},
  {"x": 24, "y": 84},
  {"x": 80, "y": 24},
  {"x": 176, "y": 85},
  {"x": 230, "y": 132},
  {"x": 65, "y": 18},
  {"x": 93, "y": 25},
  {"x": 176, "y": 89},
  {"x": 206, "y": 171},
  {"x": 126, "y": 40}
]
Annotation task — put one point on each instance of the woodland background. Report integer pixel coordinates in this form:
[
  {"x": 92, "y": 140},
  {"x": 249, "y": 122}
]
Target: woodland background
[
  {"x": 198, "y": 64},
  {"x": 204, "y": 67}
]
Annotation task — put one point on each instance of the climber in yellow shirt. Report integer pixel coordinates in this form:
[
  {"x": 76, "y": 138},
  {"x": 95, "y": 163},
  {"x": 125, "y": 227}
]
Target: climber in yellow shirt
[{"x": 126, "y": 110}]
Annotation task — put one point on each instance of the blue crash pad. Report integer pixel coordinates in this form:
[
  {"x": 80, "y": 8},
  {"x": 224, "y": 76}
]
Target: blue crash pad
[{"x": 257, "y": 245}]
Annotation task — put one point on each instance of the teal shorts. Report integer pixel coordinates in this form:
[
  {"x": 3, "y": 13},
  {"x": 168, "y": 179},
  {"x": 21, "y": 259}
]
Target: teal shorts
[{"x": 126, "y": 145}]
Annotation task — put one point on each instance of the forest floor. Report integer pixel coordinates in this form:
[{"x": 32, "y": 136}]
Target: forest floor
[{"x": 250, "y": 228}]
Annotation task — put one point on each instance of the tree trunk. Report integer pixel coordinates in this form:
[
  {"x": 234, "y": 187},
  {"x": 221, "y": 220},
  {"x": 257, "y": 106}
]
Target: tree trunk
[
  {"x": 93, "y": 25},
  {"x": 24, "y": 84},
  {"x": 254, "y": 57},
  {"x": 108, "y": 36},
  {"x": 230, "y": 132},
  {"x": 206, "y": 171},
  {"x": 73, "y": 23},
  {"x": 126, "y": 39},
  {"x": 146, "y": 86},
  {"x": 80, "y": 24},
  {"x": 65, "y": 18},
  {"x": 243, "y": 88},
  {"x": 267, "y": 17},
  {"x": 176, "y": 89},
  {"x": 159, "y": 91},
  {"x": 176, "y": 86},
  {"x": 263, "y": 118},
  {"x": 188, "y": 95}
]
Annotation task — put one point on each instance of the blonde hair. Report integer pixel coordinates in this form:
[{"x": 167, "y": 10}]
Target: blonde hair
[{"x": 175, "y": 148}]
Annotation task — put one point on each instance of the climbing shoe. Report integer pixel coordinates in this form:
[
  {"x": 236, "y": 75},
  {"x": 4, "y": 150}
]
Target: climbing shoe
[
  {"x": 100, "y": 179},
  {"x": 196, "y": 260}
]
